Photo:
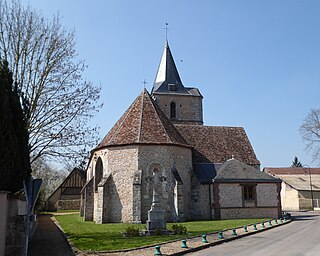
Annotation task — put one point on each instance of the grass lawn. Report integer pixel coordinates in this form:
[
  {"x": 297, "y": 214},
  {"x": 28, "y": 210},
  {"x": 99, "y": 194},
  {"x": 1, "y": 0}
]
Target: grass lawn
[
  {"x": 66, "y": 211},
  {"x": 59, "y": 211},
  {"x": 88, "y": 236}
]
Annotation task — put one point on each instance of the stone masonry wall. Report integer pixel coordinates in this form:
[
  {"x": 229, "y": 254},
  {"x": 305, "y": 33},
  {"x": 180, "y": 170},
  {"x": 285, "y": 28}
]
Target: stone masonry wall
[
  {"x": 68, "y": 204},
  {"x": 231, "y": 201},
  {"x": 230, "y": 195},
  {"x": 88, "y": 201},
  {"x": 166, "y": 158},
  {"x": 267, "y": 194},
  {"x": 243, "y": 213},
  {"x": 15, "y": 229},
  {"x": 120, "y": 163},
  {"x": 15, "y": 239},
  {"x": 96, "y": 209},
  {"x": 188, "y": 107},
  {"x": 200, "y": 196}
]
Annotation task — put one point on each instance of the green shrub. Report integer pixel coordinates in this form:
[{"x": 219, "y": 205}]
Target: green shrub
[
  {"x": 179, "y": 229},
  {"x": 158, "y": 231},
  {"x": 132, "y": 231}
]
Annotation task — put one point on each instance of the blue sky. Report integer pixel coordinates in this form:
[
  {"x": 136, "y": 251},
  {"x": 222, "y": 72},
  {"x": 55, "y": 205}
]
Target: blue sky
[{"x": 255, "y": 62}]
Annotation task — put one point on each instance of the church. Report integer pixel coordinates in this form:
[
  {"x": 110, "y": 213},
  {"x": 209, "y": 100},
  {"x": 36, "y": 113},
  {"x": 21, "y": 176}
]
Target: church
[{"x": 206, "y": 172}]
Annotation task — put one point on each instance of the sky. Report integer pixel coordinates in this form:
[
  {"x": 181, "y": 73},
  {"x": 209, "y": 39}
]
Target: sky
[{"x": 255, "y": 62}]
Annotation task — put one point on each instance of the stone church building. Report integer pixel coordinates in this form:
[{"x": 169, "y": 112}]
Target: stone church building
[{"x": 207, "y": 172}]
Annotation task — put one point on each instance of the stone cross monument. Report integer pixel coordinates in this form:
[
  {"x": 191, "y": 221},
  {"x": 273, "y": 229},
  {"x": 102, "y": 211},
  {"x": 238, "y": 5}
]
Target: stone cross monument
[{"x": 156, "y": 214}]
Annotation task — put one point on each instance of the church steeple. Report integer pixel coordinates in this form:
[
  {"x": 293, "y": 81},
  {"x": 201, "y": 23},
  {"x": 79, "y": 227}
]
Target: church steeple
[
  {"x": 167, "y": 78},
  {"x": 182, "y": 105}
]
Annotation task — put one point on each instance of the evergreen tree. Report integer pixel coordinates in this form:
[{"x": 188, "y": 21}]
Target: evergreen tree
[
  {"x": 14, "y": 153},
  {"x": 296, "y": 162}
]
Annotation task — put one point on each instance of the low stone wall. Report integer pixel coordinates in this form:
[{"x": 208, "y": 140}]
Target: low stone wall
[
  {"x": 15, "y": 239},
  {"x": 3, "y": 220},
  {"x": 15, "y": 230},
  {"x": 68, "y": 204}
]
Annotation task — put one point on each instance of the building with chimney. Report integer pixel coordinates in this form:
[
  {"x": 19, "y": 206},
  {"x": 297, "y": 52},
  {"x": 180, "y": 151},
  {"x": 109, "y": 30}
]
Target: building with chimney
[{"x": 207, "y": 172}]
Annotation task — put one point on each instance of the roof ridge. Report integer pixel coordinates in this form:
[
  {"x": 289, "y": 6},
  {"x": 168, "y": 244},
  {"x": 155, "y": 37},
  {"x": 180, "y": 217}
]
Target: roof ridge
[
  {"x": 141, "y": 115},
  {"x": 210, "y": 126}
]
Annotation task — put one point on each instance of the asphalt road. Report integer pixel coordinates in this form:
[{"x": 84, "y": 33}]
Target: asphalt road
[
  {"x": 300, "y": 237},
  {"x": 48, "y": 240}
]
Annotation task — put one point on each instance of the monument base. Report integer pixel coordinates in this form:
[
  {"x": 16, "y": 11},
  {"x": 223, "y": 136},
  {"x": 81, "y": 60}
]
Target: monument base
[
  {"x": 156, "y": 220},
  {"x": 164, "y": 232}
]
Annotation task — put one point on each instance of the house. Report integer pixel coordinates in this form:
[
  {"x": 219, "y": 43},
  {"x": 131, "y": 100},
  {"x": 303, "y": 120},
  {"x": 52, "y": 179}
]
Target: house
[
  {"x": 241, "y": 191},
  {"x": 162, "y": 134},
  {"x": 67, "y": 195},
  {"x": 300, "y": 187}
]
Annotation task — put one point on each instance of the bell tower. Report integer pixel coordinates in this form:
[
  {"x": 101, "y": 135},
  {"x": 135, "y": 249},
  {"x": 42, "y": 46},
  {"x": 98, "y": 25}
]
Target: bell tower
[{"x": 182, "y": 105}]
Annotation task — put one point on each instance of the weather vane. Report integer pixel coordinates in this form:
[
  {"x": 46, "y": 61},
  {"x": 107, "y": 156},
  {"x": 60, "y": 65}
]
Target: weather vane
[{"x": 166, "y": 28}]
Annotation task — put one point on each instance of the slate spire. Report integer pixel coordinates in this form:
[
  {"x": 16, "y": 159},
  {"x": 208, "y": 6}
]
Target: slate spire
[{"x": 167, "y": 78}]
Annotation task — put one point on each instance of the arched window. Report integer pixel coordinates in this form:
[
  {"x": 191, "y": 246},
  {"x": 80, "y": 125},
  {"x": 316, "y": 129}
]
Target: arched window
[
  {"x": 173, "y": 113},
  {"x": 98, "y": 173}
]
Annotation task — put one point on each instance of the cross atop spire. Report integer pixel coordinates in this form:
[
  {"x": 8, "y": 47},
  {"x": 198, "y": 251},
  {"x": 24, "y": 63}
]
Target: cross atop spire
[
  {"x": 144, "y": 83},
  {"x": 167, "y": 78}
]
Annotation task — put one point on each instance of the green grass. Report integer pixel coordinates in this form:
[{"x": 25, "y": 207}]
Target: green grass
[
  {"x": 66, "y": 211},
  {"x": 58, "y": 211},
  {"x": 88, "y": 236}
]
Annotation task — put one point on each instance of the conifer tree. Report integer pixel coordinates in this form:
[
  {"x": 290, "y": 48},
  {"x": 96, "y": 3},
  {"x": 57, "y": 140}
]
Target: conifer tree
[
  {"x": 296, "y": 162},
  {"x": 14, "y": 153}
]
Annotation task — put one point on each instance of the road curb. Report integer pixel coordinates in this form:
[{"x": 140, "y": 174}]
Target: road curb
[{"x": 225, "y": 240}]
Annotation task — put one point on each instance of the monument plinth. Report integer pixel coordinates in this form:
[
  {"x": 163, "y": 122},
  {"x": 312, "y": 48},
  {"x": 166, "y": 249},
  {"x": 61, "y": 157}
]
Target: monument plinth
[{"x": 156, "y": 219}]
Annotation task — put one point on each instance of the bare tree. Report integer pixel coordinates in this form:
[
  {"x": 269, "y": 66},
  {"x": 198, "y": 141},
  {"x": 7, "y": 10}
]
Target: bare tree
[
  {"x": 57, "y": 101},
  {"x": 51, "y": 179},
  {"x": 310, "y": 130}
]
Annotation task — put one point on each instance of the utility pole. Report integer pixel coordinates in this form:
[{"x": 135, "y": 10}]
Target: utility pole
[{"x": 310, "y": 181}]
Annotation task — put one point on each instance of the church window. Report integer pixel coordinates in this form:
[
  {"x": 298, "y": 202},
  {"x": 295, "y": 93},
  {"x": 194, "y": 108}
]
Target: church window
[
  {"x": 173, "y": 113},
  {"x": 172, "y": 87},
  {"x": 98, "y": 174}
]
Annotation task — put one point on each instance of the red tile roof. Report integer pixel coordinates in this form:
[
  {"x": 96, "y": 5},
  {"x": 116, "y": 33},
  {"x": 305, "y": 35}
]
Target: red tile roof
[
  {"x": 291, "y": 170},
  {"x": 217, "y": 144},
  {"x": 143, "y": 123}
]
